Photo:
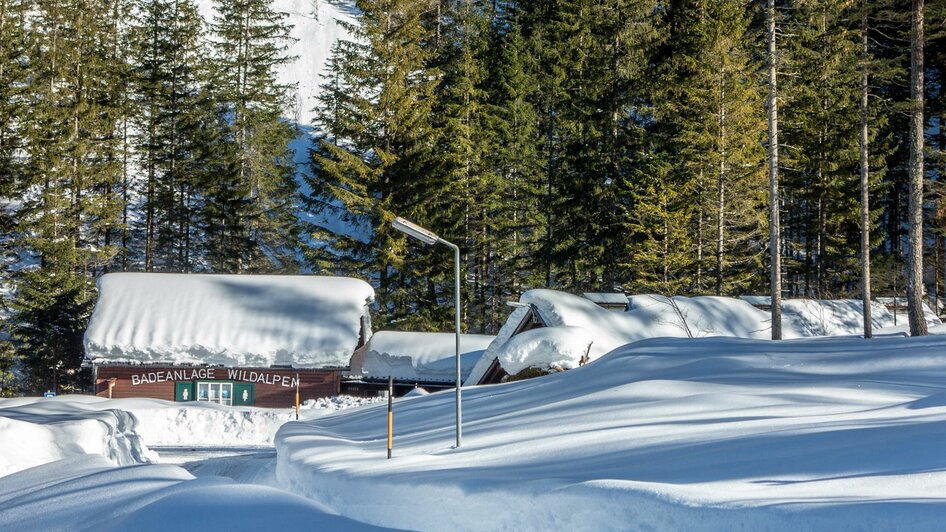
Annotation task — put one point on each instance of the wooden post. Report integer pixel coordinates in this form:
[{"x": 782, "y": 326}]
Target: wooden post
[
  {"x": 390, "y": 414},
  {"x": 111, "y": 384}
]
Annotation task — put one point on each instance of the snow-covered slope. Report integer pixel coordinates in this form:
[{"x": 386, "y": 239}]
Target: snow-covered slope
[
  {"x": 664, "y": 434},
  {"x": 316, "y": 25},
  {"x": 235, "y": 320}
]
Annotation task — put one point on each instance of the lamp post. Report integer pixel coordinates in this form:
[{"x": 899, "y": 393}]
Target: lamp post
[{"x": 430, "y": 238}]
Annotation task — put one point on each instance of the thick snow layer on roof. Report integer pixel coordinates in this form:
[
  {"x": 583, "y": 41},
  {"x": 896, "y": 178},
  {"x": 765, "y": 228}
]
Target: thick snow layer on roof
[
  {"x": 555, "y": 347},
  {"x": 666, "y": 434},
  {"x": 482, "y": 365},
  {"x": 615, "y": 298},
  {"x": 232, "y": 320},
  {"x": 422, "y": 356},
  {"x": 650, "y": 316}
]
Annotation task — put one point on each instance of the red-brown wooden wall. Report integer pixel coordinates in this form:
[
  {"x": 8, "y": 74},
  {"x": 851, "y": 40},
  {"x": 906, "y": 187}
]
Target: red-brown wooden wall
[{"x": 313, "y": 383}]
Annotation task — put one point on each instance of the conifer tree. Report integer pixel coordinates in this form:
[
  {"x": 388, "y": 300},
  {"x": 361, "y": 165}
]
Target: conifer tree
[
  {"x": 70, "y": 146},
  {"x": 708, "y": 104},
  {"x": 254, "y": 227},
  {"x": 917, "y": 134},
  {"x": 821, "y": 128},
  {"x": 375, "y": 160},
  {"x": 14, "y": 71},
  {"x": 517, "y": 222},
  {"x": 175, "y": 127},
  {"x": 473, "y": 189}
]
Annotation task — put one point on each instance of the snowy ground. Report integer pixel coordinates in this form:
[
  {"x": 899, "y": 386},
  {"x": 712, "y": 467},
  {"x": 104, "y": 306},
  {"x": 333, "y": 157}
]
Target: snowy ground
[
  {"x": 81, "y": 463},
  {"x": 663, "y": 434}
]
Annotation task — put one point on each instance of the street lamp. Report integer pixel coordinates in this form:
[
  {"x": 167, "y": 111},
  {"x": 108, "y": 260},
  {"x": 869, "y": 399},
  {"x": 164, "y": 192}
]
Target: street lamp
[{"x": 430, "y": 238}]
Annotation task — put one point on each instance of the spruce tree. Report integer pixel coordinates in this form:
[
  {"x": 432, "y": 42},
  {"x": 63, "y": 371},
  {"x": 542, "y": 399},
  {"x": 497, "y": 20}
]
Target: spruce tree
[
  {"x": 375, "y": 160},
  {"x": 707, "y": 106},
  {"x": 14, "y": 72},
  {"x": 256, "y": 228},
  {"x": 821, "y": 127},
  {"x": 517, "y": 222},
  {"x": 175, "y": 127},
  {"x": 70, "y": 131}
]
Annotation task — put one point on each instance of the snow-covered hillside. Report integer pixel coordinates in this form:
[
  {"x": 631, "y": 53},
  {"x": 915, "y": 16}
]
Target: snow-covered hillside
[
  {"x": 316, "y": 25},
  {"x": 664, "y": 434}
]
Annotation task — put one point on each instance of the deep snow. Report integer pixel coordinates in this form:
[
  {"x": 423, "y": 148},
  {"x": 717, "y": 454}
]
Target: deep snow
[
  {"x": 681, "y": 434},
  {"x": 232, "y": 320},
  {"x": 89, "y": 493},
  {"x": 421, "y": 356}
]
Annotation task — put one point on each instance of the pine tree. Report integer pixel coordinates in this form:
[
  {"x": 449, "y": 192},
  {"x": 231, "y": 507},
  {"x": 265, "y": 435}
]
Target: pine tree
[
  {"x": 70, "y": 132},
  {"x": 175, "y": 128},
  {"x": 256, "y": 229},
  {"x": 821, "y": 127},
  {"x": 375, "y": 159}
]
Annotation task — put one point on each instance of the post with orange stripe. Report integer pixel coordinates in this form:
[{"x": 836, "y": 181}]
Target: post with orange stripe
[
  {"x": 390, "y": 414},
  {"x": 297, "y": 397}
]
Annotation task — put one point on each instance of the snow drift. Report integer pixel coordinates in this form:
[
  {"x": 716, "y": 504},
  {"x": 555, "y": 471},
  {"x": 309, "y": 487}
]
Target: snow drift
[
  {"x": 36, "y": 431},
  {"x": 232, "y": 320},
  {"x": 837, "y": 317},
  {"x": 702, "y": 434},
  {"x": 90, "y": 493}
]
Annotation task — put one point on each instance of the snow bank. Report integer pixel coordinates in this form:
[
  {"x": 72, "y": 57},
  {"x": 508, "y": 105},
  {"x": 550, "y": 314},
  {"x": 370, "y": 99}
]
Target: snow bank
[
  {"x": 837, "y": 317},
  {"x": 38, "y": 430},
  {"x": 232, "y": 320},
  {"x": 89, "y": 493},
  {"x": 664, "y": 434},
  {"x": 421, "y": 356},
  {"x": 35, "y": 431}
]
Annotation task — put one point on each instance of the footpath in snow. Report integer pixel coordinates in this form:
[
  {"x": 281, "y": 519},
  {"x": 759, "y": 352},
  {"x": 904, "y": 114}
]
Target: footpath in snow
[{"x": 664, "y": 434}]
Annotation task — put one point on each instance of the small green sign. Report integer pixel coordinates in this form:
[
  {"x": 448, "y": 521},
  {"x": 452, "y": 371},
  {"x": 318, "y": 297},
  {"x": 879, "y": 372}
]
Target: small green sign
[
  {"x": 184, "y": 391},
  {"x": 243, "y": 393}
]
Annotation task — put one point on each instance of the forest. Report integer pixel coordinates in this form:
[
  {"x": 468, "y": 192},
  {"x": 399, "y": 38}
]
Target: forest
[{"x": 587, "y": 146}]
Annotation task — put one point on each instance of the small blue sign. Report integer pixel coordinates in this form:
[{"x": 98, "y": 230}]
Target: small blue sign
[{"x": 49, "y": 394}]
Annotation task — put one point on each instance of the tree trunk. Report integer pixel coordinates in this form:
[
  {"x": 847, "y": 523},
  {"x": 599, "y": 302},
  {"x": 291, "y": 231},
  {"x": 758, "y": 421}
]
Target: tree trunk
[
  {"x": 865, "y": 185},
  {"x": 774, "y": 249},
  {"x": 721, "y": 195},
  {"x": 915, "y": 255}
]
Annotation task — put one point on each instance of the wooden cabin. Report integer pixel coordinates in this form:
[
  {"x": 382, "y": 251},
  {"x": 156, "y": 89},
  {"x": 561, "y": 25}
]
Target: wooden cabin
[{"x": 228, "y": 339}]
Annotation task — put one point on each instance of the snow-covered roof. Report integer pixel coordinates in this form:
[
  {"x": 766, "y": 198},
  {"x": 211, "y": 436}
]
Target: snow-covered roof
[
  {"x": 649, "y": 316},
  {"x": 231, "y": 320},
  {"x": 614, "y": 298},
  {"x": 421, "y": 356}
]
